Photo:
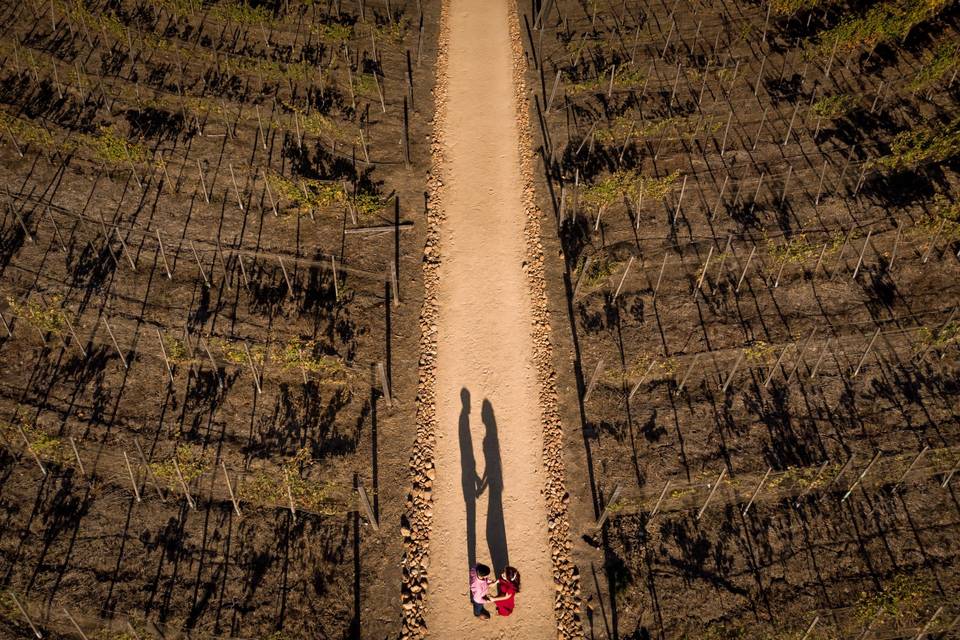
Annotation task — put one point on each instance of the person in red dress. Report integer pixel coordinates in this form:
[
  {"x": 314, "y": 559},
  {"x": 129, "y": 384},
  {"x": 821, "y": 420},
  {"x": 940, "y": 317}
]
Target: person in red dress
[{"x": 508, "y": 586}]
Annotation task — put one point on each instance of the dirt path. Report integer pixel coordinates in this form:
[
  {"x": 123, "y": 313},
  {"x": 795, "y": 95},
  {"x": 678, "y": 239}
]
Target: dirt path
[{"x": 489, "y": 431}]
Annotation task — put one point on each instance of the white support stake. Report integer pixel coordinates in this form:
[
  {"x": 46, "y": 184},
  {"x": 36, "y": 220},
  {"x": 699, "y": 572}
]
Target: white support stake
[
  {"x": 183, "y": 485},
  {"x": 756, "y": 491},
  {"x": 384, "y": 384},
  {"x": 133, "y": 480},
  {"x": 233, "y": 498},
  {"x": 713, "y": 490},
  {"x": 24, "y": 612},
  {"x": 663, "y": 494},
  {"x": 593, "y": 380},
  {"x": 860, "y": 478},
  {"x": 866, "y": 352}
]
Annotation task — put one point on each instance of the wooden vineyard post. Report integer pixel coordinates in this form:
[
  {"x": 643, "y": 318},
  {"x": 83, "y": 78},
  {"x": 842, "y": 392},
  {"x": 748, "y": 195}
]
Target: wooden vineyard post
[
  {"x": 76, "y": 340},
  {"x": 24, "y": 613},
  {"x": 920, "y": 356},
  {"x": 36, "y": 458},
  {"x": 673, "y": 91},
  {"x": 723, "y": 257},
  {"x": 756, "y": 194},
  {"x": 556, "y": 84},
  {"x": 203, "y": 183},
  {"x": 773, "y": 369},
  {"x": 183, "y": 485},
  {"x": 626, "y": 270},
  {"x": 406, "y": 134},
  {"x": 76, "y": 454},
  {"x": 723, "y": 188},
  {"x": 756, "y": 87},
  {"x": 196, "y": 257},
  {"x": 243, "y": 271},
  {"x": 873, "y": 106},
  {"x": 367, "y": 508},
  {"x": 394, "y": 285},
  {"x": 593, "y": 380},
  {"x": 803, "y": 350},
  {"x": 860, "y": 478},
  {"x": 606, "y": 508},
  {"x": 703, "y": 273},
  {"x": 786, "y": 138},
  {"x": 286, "y": 276},
  {"x": 843, "y": 468},
  {"x": 903, "y": 476},
  {"x": 236, "y": 190},
  {"x": 756, "y": 491},
  {"x": 146, "y": 465},
  {"x": 266, "y": 184},
  {"x": 839, "y": 260},
  {"x": 233, "y": 498},
  {"x": 866, "y": 352},
  {"x": 896, "y": 243},
  {"x": 263, "y": 139},
  {"x": 636, "y": 387},
  {"x": 163, "y": 352},
  {"x": 809, "y": 487},
  {"x": 56, "y": 228},
  {"x": 743, "y": 274},
  {"x": 13, "y": 210},
  {"x": 816, "y": 267},
  {"x": 949, "y": 475},
  {"x": 384, "y": 384},
  {"x": 756, "y": 138},
  {"x": 163, "y": 256},
  {"x": 171, "y": 186},
  {"x": 73, "y": 622},
  {"x": 786, "y": 183},
  {"x": 133, "y": 631},
  {"x": 660, "y": 277},
  {"x": 713, "y": 490},
  {"x": 766, "y": 23},
  {"x": 126, "y": 251},
  {"x": 861, "y": 178},
  {"x": 293, "y": 508},
  {"x": 213, "y": 363},
  {"x": 813, "y": 624},
  {"x": 862, "y": 251},
  {"x": 253, "y": 369},
  {"x": 133, "y": 480},
  {"x": 936, "y": 236},
  {"x": 726, "y": 130},
  {"x": 690, "y": 369},
  {"x": 926, "y": 627},
  {"x": 733, "y": 370},
  {"x": 223, "y": 265},
  {"x": 333, "y": 270},
  {"x": 823, "y": 174},
  {"x": 6, "y": 326},
  {"x": 303, "y": 370},
  {"x": 823, "y": 353},
  {"x": 115, "y": 345},
  {"x": 663, "y": 494}
]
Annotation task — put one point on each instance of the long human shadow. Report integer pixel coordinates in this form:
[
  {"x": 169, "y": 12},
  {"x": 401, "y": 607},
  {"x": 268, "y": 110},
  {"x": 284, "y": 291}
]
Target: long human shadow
[
  {"x": 469, "y": 480},
  {"x": 493, "y": 480}
]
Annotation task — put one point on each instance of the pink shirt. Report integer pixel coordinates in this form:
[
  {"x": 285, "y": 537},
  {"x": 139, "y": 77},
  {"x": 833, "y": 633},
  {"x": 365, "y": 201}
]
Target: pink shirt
[{"x": 478, "y": 587}]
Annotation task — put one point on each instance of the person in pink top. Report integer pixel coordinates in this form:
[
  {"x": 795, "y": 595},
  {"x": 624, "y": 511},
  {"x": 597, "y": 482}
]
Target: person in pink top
[{"x": 480, "y": 582}]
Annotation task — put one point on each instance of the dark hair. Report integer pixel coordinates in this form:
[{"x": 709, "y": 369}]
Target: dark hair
[
  {"x": 482, "y": 570},
  {"x": 513, "y": 576}
]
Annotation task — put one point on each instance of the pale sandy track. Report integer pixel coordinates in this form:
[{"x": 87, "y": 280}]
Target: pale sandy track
[{"x": 489, "y": 425}]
